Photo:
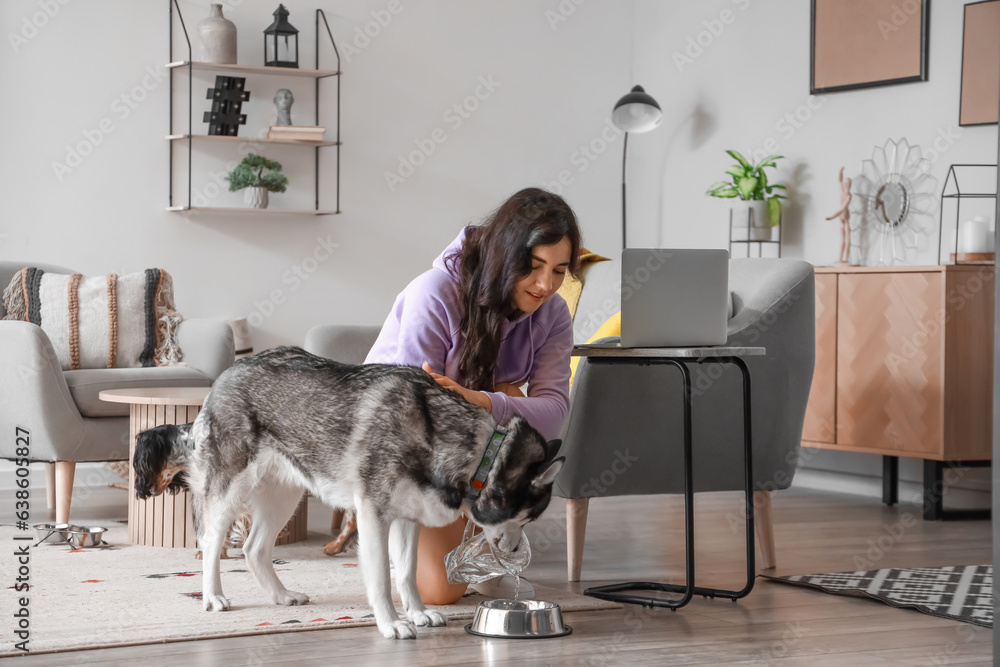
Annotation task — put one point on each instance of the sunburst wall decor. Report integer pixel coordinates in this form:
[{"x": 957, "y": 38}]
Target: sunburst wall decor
[{"x": 896, "y": 195}]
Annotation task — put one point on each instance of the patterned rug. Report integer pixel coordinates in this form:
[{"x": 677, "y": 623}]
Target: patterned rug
[
  {"x": 959, "y": 592},
  {"x": 126, "y": 594}
]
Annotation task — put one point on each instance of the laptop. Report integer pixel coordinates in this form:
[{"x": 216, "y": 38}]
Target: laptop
[{"x": 673, "y": 298}]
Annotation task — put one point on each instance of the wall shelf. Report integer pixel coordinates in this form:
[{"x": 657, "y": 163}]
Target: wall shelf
[
  {"x": 261, "y": 212},
  {"x": 254, "y": 69},
  {"x": 189, "y": 137},
  {"x": 252, "y": 140}
]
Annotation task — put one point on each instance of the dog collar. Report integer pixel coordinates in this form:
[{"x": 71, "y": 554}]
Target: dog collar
[{"x": 489, "y": 458}]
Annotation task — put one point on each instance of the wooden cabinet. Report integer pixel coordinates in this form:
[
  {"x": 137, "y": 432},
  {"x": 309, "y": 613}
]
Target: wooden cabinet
[{"x": 904, "y": 362}]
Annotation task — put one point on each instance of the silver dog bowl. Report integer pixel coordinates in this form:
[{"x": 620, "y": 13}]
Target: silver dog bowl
[
  {"x": 82, "y": 538},
  {"x": 79, "y": 537},
  {"x": 54, "y": 532},
  {"x": 518, "y": 619}
]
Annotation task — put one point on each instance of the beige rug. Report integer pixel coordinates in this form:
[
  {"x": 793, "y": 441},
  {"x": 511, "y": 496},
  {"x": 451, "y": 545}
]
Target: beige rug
[{"x": 127, "y": 595}]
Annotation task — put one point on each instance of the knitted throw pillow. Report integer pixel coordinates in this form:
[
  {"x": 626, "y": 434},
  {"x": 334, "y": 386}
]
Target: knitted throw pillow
[{"x": 107, "y": 321}]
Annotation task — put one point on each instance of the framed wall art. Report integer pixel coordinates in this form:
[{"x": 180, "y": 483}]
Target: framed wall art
[
  {"x": 980, "y": 96},
  {"x": 867, "y": 43}
]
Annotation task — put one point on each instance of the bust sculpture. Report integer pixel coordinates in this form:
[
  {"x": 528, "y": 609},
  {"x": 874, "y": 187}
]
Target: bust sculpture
[{"x": 283, "y": 100}]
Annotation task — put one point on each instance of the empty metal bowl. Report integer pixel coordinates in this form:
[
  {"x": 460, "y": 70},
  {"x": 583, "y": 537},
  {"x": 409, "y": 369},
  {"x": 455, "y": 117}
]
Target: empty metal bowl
[
  {"x": 518, "y": 619},
  {"x": 54, "y": 532},
  {"x": 86, "y": 537}
]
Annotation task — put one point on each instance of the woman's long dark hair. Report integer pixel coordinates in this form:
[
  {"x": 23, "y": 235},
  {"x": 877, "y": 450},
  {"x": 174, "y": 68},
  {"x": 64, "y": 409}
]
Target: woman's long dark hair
[{"x": 494, "y": 257}]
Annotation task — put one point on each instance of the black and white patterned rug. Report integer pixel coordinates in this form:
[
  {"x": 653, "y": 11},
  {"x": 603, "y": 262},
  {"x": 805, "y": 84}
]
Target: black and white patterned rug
[{"x": 959, "y": 592}]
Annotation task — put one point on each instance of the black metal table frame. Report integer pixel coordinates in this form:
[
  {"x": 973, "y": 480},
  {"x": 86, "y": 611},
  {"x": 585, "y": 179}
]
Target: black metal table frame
[{"x": 689, "y": 590}]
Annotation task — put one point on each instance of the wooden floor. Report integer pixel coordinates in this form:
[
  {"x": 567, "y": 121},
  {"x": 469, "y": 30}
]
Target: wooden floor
[{"x": 642, "y": 539}]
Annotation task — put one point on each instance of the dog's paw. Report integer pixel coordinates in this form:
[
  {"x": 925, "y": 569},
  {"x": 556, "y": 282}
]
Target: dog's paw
[
  {"x": 214, "y": 603},
  {"x": 291, "y": 598},
  {"x": 398, "y": 630},
  {"x": 427, "y": 617}
]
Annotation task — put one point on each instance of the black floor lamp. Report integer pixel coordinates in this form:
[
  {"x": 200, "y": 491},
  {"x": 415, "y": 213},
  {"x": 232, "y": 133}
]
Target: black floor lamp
[{"x": 636, "y": 112}]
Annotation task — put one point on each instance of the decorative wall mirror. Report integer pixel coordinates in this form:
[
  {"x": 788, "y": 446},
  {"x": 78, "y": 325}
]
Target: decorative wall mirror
[{"x": 896, "y": 194}]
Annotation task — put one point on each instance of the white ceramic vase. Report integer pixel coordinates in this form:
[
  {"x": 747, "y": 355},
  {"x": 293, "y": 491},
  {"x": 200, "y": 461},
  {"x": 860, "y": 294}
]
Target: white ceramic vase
[
  {"x": 217, "y": 35},
  {"x": 753, "y": 213},
  {"x": 255, "y": 197}
]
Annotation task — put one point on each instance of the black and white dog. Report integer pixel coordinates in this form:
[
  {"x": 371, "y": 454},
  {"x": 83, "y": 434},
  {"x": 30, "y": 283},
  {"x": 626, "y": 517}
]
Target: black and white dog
[{"x": 386, "y": 440}]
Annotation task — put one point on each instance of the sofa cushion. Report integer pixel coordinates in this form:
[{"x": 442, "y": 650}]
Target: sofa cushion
[
  {"x": 107, "y": 321},
  {"x": 86, "y": 385}
]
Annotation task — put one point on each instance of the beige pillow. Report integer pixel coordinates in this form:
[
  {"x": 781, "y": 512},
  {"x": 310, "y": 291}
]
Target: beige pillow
[{"x": 107, "y": 321}]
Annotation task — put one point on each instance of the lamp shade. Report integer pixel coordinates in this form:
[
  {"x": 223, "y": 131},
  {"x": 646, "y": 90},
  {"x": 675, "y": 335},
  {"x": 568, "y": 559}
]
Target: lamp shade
[{"x": 637, "y": 112}]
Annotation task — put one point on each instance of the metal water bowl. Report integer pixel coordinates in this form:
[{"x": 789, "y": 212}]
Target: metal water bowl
[{"x": 518, "y": 619}]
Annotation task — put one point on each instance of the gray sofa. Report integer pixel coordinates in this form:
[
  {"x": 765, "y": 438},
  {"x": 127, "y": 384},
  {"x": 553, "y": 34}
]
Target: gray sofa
[
  {"x": 614, "y": 408},
  {"x": 61, "y": 410}
]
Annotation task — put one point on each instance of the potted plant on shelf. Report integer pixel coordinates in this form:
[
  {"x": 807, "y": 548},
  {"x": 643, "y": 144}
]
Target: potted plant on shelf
[
  {"x": 757, "y": 200},
  {"x": 250, "y": 174}
]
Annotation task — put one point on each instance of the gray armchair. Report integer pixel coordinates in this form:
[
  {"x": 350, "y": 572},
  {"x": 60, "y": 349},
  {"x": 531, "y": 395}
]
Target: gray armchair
[
  {"x": 61, "y": 410},
  {"x": 624, "y": 431}
]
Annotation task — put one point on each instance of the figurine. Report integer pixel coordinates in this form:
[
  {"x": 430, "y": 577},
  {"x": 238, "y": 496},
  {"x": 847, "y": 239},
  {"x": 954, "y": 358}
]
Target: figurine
[
  {"x": 845, "y": 219},
  {"x": 283, "y": 100}
]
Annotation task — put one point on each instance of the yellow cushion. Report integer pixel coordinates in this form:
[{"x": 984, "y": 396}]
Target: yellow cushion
[
  {"x": 612, "y": 327},
  {"x": 572, "y": 286}
]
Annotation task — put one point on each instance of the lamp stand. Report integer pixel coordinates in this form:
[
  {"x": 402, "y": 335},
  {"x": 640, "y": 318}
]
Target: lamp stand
[{"x": 624, "y": 153}]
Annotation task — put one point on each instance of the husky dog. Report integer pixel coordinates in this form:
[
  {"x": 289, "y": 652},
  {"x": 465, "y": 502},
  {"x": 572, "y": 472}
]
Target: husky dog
[{"x": 386, "y": 440}]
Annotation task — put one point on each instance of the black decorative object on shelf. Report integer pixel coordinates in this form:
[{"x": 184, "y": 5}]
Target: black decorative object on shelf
[
  {"x": 281, "y": 41},
  {"x": 227, "y": 98}
]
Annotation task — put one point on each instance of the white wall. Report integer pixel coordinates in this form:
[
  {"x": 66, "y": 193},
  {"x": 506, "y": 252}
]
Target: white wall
[
  {"x": 752, "y": 73},
  {"x": 557, "y": 82}
]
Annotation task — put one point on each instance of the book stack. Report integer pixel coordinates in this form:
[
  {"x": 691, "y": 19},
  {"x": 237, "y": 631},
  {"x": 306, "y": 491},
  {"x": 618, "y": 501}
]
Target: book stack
[{"x": 296, "y": 132}]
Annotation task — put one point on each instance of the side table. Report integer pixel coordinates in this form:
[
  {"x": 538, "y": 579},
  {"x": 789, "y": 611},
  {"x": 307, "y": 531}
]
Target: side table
[
  {"x": 680, "y": 358},
  {"x": 166, "y": 520}
]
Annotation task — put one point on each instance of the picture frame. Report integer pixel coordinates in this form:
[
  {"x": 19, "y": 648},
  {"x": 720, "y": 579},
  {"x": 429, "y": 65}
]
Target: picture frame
[
  {"x": 856, "y": 44},
  {"x": 979, "y": 99}
]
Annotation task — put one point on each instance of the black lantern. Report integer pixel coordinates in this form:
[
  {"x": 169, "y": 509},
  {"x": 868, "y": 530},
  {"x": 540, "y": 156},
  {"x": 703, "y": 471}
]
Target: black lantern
[{"x": 281, "y": 41}]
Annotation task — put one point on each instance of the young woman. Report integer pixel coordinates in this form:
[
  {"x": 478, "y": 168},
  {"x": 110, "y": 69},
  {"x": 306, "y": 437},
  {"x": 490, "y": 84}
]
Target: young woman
[{"x": 484, "y": 321}]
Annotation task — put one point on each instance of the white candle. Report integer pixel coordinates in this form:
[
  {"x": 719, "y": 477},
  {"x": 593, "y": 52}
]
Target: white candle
[{"x": 976, "y": 235}]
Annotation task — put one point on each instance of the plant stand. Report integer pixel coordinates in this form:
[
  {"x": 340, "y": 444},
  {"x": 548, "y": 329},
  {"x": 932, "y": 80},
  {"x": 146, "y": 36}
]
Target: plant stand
[{"x": 747, "y": 241}]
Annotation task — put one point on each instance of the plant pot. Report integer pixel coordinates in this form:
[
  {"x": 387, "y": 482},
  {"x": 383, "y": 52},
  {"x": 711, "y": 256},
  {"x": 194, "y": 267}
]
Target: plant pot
[
  {"x": 255, "y": 197},
  {"x": 217, "y": 35},
  {"x": 752, "y": 214}
]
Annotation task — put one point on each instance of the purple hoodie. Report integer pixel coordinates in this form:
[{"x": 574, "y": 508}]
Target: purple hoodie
[{"x": 424, "y": 326}]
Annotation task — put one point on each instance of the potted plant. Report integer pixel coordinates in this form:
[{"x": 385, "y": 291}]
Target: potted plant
[
  {"x": 250, "y": 174},
  {"x": 749, "y": 184}
]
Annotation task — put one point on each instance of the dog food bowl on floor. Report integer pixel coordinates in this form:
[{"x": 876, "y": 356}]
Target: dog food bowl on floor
[
  {"x": 518, "y": 619},
  {"x": 79, "y": 537},
  {"x": 55, "y": 533},
  {"x": 83, "y": 538}
]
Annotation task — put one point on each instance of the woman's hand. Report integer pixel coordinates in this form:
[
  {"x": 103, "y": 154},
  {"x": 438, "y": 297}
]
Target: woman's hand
[{"x": 477, "y": 398}]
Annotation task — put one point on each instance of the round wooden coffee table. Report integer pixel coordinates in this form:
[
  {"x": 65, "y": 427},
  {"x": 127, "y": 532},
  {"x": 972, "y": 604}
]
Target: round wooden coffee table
[{"x": 166, "y": 520}]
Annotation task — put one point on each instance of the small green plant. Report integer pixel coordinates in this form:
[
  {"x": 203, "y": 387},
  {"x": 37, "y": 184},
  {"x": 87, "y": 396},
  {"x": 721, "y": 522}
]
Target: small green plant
[
  {"x": 250, "y": 173},
  {"x": 749, "y": 183}
]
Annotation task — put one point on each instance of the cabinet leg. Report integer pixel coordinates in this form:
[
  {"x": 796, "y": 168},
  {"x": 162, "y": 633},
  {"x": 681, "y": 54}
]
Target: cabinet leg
[
  {"x": 890, "y": 480},
  {"x": 933, "y": 490}
]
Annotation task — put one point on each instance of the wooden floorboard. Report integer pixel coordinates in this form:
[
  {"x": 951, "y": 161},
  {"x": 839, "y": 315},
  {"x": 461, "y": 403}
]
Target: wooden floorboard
[{"x": 641, "y": 538}]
